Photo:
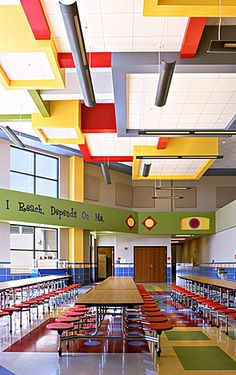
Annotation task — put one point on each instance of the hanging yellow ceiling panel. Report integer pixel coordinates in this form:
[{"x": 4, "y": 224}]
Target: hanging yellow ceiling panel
[
  {"x": 63, "y": 126},
  {"x": 26, "y": 63},
  {"x": 182, "y": 159},
  {"x": 189, "y": 8}
]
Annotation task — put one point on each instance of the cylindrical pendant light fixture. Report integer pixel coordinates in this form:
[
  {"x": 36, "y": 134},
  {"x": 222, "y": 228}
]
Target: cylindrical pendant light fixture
[
  {"x": 166, "y": 73},
  {"x": 106, "y": 173},
  {"x": 74, "y": 32},
  {"x": 146, "y": 170}
]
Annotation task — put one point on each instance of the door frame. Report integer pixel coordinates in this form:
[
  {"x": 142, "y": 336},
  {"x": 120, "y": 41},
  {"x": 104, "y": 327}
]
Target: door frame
[
  {"x": 149, "y": 247},
  {"x": 112, "y": 258}
]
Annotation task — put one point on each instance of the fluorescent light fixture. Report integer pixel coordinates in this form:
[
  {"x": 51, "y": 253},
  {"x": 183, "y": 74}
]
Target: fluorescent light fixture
[
  {"x": 146, "y": 170},
  {"x": 208, "y": 132},
  {"x": 166, "y": 73},
  {"x": 179, "y": 157},
  {"x": 215, "y": 132},
  {"x": 167, "y": 197},
  {"x": 74, "y": 32},
  {"x": 173, "y": 188},
  {"x": 179, "y": 239},
  {"x": 12, "y": 136},
  {"x": 106, "y": 173},
  {"x": 222, "y": 46},
  {"x": 186, "y": 235},
  {"x": 163, "y": 132}
]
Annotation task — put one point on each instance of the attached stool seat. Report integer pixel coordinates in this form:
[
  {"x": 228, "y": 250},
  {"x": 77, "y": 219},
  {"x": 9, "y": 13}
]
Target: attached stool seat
[
  {"x": 156, "y": 329},
  {"x": 60, "y": 328}
]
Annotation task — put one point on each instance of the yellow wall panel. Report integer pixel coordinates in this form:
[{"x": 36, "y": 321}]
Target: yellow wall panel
[
  {"x": 76, "y": 166},
  {"x": 76, "y": 245}
]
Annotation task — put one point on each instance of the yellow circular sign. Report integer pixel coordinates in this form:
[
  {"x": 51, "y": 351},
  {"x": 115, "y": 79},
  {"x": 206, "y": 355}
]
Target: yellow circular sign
[
  {"x": 149, "y": 223},
  {"x": 130, "y": 222}
]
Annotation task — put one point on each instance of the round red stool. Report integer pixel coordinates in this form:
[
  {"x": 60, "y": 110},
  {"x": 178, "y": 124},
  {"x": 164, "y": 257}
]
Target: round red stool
[
  {"x": 156, "y": 329},
  {"x": 60, "y": 328}
]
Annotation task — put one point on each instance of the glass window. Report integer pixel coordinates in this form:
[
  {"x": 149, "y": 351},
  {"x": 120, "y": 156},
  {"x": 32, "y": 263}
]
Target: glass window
[
  {"x": 46, "y": 239},
  {"x": 21, "y": 258},
  {"x": 22, "y": 240},
  {"x": 33, "y": 172},
  {"x": 22, "y": 160},
  {"x": 22, "y": 182},
  {"x": 14, "y": 229},
  {"x": 46, "y": 166},
  {"x": 46, "y": 187},
  {"x": 28, "y": 243}
]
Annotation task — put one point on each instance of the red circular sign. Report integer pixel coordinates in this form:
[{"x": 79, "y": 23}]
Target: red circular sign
[{"x": 194, "y": 223}]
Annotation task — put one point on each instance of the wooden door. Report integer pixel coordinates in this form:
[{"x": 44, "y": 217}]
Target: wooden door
[
  {"x": 150, "y": 264},
  {"x": 109, "y": 252}
]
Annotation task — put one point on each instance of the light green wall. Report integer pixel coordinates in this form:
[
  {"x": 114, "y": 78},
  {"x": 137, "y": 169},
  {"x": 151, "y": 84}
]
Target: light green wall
[{"x": 36, "y": 209}]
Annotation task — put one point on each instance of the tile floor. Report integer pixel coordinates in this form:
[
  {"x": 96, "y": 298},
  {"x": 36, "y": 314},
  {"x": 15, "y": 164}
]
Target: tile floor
[{"x": 191, "y": 337}]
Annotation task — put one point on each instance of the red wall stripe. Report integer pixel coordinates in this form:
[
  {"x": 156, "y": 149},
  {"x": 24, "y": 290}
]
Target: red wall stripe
[
  {"x": 162, "y": 143},
  {"x": 192, "y": 36},
  {"x": 98, "y": 119},
  {"x": 37, "y": 20},
  {"x": 95, "y": 59}
]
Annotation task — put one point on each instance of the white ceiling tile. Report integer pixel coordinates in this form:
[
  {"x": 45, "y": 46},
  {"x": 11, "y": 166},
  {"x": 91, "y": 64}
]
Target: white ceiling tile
[
  {"x": 197, "y": 97},
  {"x": 118, "y": 44},
  {"x": 57, "y": 25},
  {"x": 177, "y": 97},
  {"x": 233, "y": 98},
  {"x": 190, "y": 119},
  {"x": 95, "y": 44},
  {"x": 51, "y": 6},
  {"x": 173, "y": 108},
  {"x": 62, "y": 44},
  {"x": 219, "y": 97},
  {"x": 219, "y": 125},
  {"x": 229, "y": 108},
  {"x": 213, "y": 108},
  {"x": 148, "y": 26},
  {"x": 171, "y": 43},
  {"x": 26, "y": 65},
  {"x": 91, "y": 25},
  {"x": 169, "y": 118},
  {"x": 225, "y": 84},
  {"x": 88, "y": 6},
  {"x": 204, "y": 125},
  {"x": 60, "y": 133},
  {"x": 192, "y": 103},
  {"x": 180, "y": 83},
  {"x": 142, "y": 44},
  {"x": 210, "y": 118},
  {"x": 193, "y": 108},
  {"x": 175, "y": 26},
  {"x": 203, "y": 84},
  {"x": 138, "y": 6},
  {"x": 84, "y": 6},
  {"x": 9, "y": 2},
  {"x": 117, "y": 25},
  {"x": 121, "y": 6}
]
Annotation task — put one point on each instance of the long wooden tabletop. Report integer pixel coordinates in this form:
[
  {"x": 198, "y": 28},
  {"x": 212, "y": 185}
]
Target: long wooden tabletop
[
  {"x": 30, "y": 281},
  {"x": 209, "y": 281},
  {"x": 113, "y": 282},
  {"x": 114, "y": 291},
  {"x": 112, "y": 297}
]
